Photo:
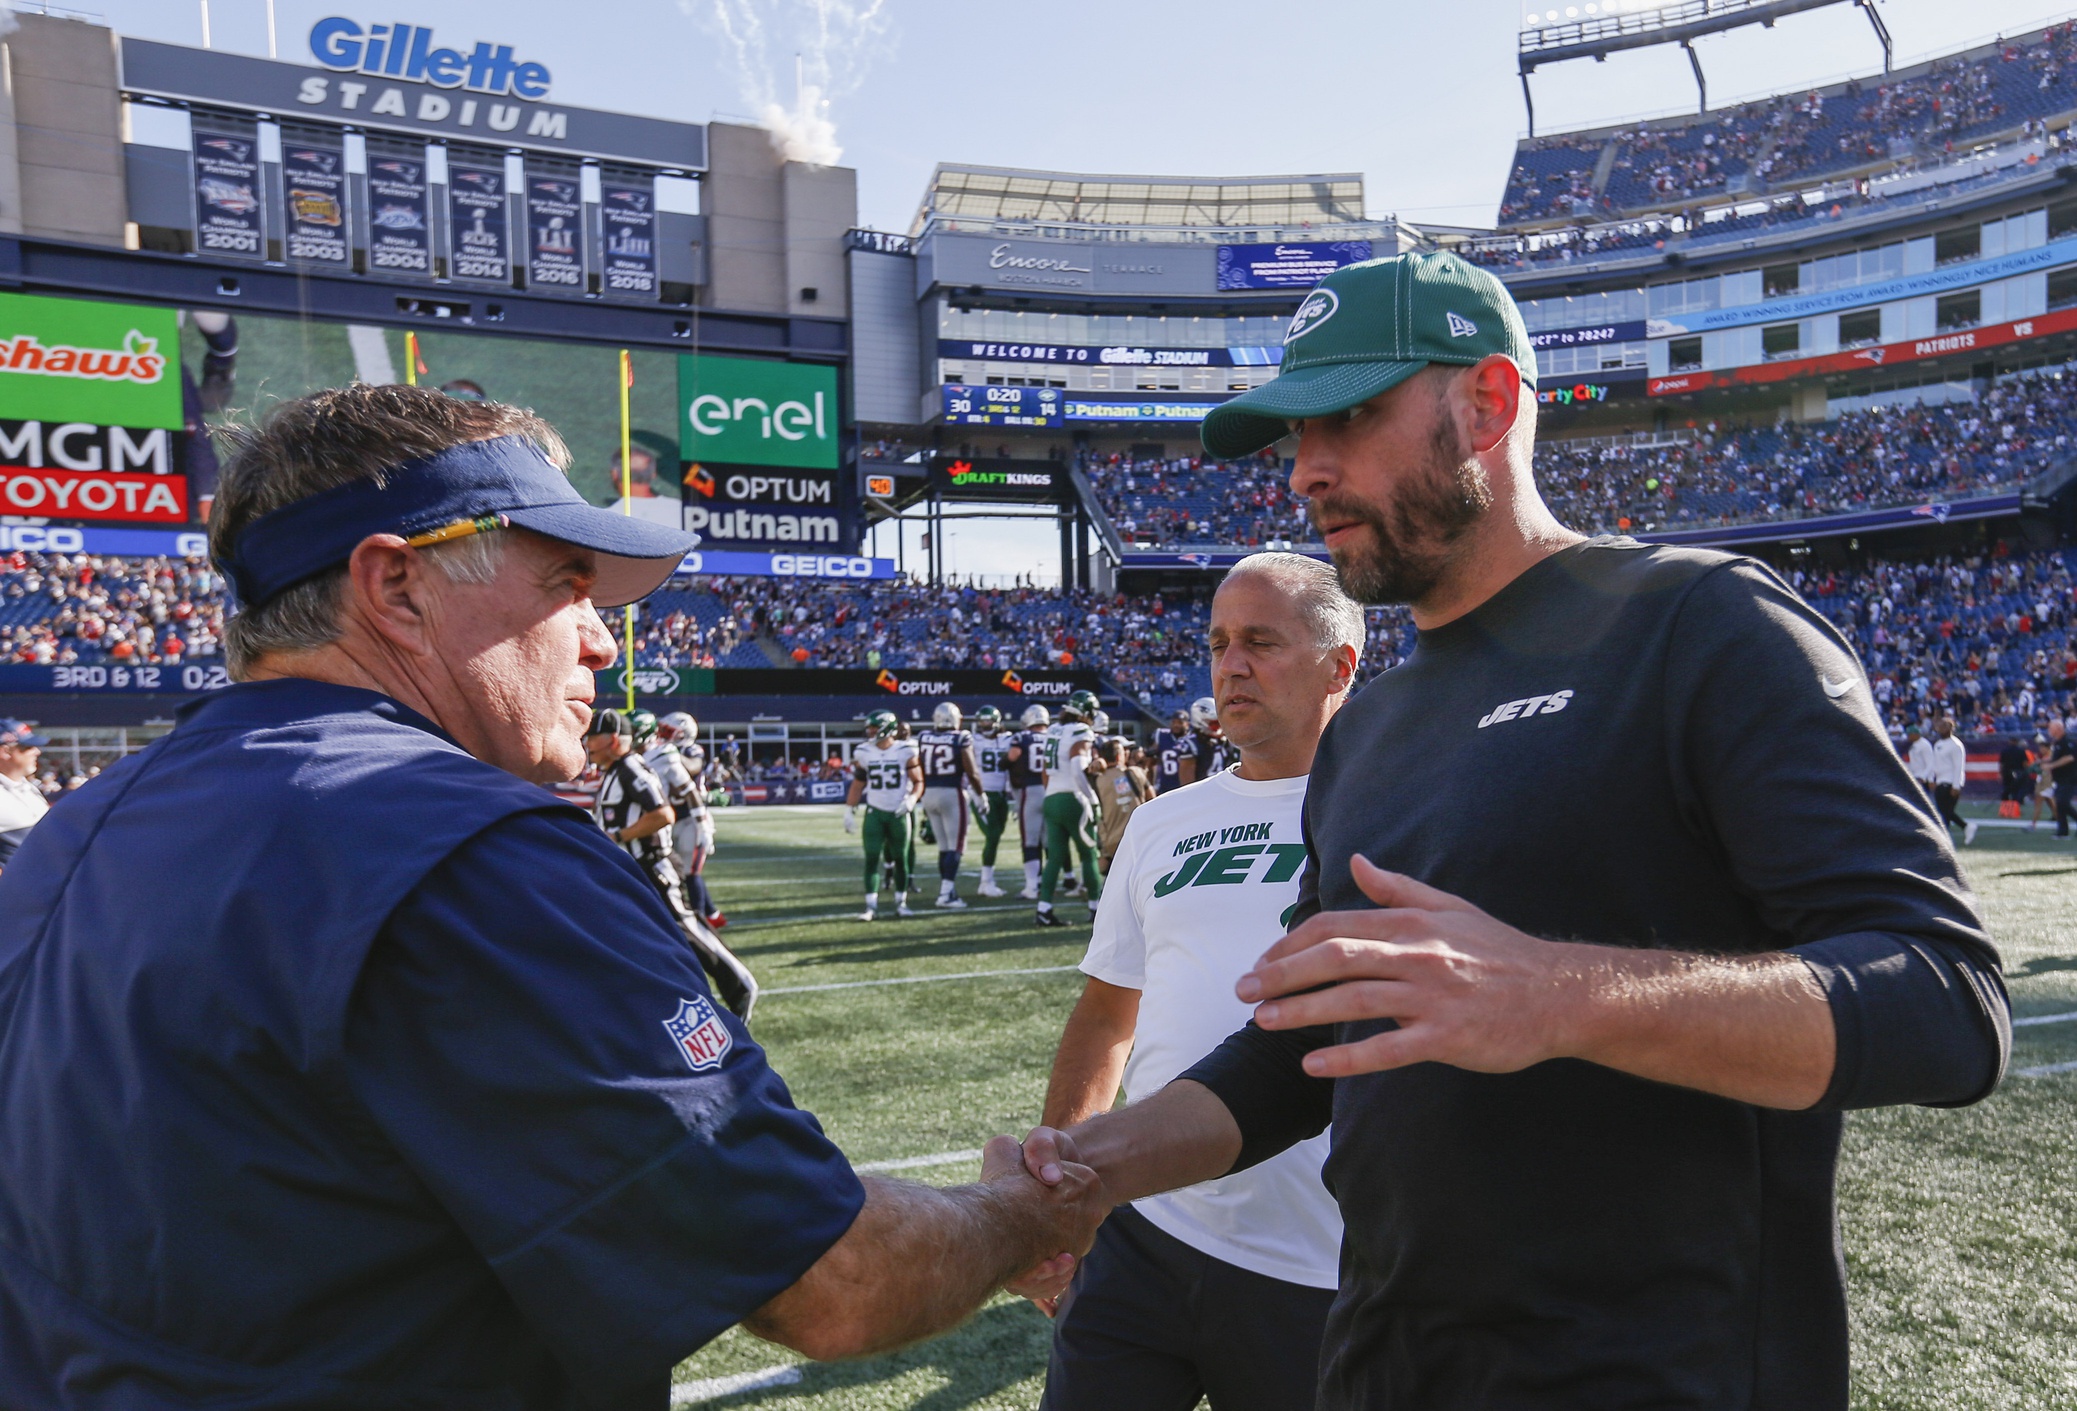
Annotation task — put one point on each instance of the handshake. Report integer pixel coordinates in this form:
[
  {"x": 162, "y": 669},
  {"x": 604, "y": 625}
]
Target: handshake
[{"x": 1062, "y": 1200}]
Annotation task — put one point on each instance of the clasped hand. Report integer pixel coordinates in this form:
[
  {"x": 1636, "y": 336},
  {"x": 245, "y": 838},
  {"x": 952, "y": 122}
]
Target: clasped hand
[{"x": 1072, "y": 1201}]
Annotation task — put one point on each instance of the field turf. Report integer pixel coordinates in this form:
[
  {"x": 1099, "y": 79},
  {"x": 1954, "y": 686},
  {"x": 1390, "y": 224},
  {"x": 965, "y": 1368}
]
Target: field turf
[{"x": 1960, "y": 1227}]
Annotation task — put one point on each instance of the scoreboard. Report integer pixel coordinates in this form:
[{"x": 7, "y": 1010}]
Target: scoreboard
[{"x": 1002, "y": 406}]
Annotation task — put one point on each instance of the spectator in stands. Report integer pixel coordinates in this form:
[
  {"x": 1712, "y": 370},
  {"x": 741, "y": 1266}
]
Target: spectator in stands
[{"x": 22, "y": 804}]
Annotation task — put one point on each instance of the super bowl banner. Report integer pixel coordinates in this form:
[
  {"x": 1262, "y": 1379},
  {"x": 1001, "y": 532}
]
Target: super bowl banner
[
  {"x": 479, "y": 243},
  {"x": 555, "y": 229},
  {"x": 400, "y": 238},
  {"x": 627, "y": 237},
  {"x": 228, "y": 216},
  {"x": 313, "y": 196}
]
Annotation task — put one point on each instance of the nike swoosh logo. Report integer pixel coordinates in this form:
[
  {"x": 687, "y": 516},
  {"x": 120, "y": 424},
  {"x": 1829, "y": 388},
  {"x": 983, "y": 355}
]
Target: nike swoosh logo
[{"x": 1836, "y": 689}]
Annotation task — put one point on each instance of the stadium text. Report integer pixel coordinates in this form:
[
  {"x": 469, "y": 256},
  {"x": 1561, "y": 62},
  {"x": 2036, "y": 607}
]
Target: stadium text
[{"x": 78, "y": 445}]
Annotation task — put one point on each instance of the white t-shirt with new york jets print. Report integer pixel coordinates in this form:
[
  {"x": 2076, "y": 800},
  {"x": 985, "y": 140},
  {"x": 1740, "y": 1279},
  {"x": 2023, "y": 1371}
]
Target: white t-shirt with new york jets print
[{"x": 1200, "y": 888}]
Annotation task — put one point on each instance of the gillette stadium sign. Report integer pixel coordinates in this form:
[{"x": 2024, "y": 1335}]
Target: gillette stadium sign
[{"x": 407, "y": 51}]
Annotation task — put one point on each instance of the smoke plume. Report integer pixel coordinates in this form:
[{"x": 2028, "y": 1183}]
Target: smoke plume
[{"x": 794, "y": 58}]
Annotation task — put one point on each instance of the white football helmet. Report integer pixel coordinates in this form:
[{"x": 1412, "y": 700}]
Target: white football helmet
[
  {"x": 677, "y": 728},
  {"x": 946, "y": 716},
  {"x": 1036, "y": 717},
  {"x": 1204, "y": 713}
]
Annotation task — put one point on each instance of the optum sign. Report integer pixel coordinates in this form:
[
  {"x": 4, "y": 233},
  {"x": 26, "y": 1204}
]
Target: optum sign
[{"x": 752, "y": 412}]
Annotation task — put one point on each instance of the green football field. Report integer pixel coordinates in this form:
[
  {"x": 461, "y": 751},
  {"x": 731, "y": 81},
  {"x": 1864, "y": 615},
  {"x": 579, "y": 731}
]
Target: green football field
[{"x": 914, "y": 1041}]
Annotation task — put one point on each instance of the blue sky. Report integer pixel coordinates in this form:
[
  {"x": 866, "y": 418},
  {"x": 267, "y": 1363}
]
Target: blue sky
[{"x": 1420, "y": 96}]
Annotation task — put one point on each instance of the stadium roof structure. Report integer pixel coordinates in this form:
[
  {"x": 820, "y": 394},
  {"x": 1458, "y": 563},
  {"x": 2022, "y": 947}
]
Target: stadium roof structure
[
  {"x": 1637, "y": 24},
  {"x": 1012, "y": 193}
]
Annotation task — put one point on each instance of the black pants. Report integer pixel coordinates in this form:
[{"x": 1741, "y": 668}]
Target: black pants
[
  {"x": 733, "y": 983},
  {"x": 1945, "y": 797},
  {"x": 1151, "y": 1324},
  {"x": 2063, "y": 812}
]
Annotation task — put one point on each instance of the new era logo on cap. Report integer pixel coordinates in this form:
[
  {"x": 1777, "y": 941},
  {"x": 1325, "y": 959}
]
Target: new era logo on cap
[{"x": 1461, "y": 327}]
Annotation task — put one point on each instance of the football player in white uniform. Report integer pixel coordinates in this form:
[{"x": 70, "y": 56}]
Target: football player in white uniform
[
  {"x": 693, "y": 842},
  {"x": 1069, "y": 806},
  {"x": 950, "y": 778},
  {"x": 886, "y": 773},
  {"x": 1199, "y": 888},
  {"x": 991, "y": 753}
]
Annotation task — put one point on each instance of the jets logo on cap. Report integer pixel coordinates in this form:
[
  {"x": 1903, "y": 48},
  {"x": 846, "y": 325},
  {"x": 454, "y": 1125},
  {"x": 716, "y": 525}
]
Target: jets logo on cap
[
  {"x": 1461, "y": 327},
  {"x": 1319, "y": 306}
]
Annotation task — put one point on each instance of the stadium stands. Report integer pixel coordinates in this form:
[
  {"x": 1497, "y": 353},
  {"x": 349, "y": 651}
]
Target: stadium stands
[
  {"x": 1194, "y": 500},
  {"x": 57, "y": 610},
  {"x": 1856, "y": 127}
]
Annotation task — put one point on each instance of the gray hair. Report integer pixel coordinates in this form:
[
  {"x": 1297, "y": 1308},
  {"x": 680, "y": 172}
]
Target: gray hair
[
  {"x": 328, "y": 439},
  {"x": 1335, "y": 618}
]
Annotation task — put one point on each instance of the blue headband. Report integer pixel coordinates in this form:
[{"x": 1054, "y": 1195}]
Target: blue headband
[{"x": 506, "y": 477}]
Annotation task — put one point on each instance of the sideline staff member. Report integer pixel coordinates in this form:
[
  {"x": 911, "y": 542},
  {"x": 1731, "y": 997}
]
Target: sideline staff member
[
  {"x": 1584, "y": 1043},
  {"x": 1220, "y": 1289},
  {"x": 400, "y": 1087}
]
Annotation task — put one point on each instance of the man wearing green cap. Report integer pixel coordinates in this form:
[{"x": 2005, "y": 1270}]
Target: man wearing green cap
[{"x": 1584, "y": 1043}]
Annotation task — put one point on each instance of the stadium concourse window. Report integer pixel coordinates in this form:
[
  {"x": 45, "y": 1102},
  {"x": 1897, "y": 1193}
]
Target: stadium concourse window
[
  {"x": 1951, "y": 246},
  {"x": 2062, "y": 219},
  {"x": 1684, "y": 354},
  {"x": 1963, "y": 310},
  {"x": 1777, "y": 280},
  {"x": 1860, "y": 328},
  {"x": 1782, "y": 340},
  {"x": 2062, "y": 287}
]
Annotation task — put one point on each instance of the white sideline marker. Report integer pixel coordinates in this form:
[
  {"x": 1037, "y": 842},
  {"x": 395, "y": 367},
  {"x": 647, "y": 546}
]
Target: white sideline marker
[
  {"x": 2045, "y": 1019},
  {"x": 917, "y": 1163},
  {"x": 2046, "y": 1070},
  {"x": 916, "y": 980},
  {"x": 693, "y": 1393}
]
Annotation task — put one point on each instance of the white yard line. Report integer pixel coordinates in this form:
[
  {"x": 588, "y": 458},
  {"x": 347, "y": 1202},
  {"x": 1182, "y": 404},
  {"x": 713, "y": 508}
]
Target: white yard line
[
  {"x": 693, "y": 1393},
  {"x": 2046, "y": 1070},
  {"x": 916, "y": 980},
  {"x": 917, "y": 1163},
  {"x": 2044, "y": 1019}
]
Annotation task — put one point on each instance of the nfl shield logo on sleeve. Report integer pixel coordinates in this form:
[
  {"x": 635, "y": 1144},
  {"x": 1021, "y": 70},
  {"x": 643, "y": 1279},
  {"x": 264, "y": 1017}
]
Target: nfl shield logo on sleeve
[{"x": 702, "y": 1039}]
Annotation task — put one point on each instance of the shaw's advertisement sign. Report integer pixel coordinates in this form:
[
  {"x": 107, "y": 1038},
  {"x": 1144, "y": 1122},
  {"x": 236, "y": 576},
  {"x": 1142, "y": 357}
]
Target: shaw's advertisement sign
[
  {"x": 748, "y": 411},
  {"x": 75, "y": 360},
  {"x": 1940, "y": 345}
]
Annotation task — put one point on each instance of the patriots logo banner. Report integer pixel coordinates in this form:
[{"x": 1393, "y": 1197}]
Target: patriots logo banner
[{"x": 702, "y": 1039}]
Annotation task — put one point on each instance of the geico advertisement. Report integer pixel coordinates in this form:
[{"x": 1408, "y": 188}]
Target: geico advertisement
[
  {"x": 746, "y": 411},
  {"x": 731, "y": 505}
]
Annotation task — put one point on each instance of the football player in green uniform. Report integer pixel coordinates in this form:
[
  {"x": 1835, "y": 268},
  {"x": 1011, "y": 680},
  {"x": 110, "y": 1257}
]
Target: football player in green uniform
[{"x": 1070, "y": 805}]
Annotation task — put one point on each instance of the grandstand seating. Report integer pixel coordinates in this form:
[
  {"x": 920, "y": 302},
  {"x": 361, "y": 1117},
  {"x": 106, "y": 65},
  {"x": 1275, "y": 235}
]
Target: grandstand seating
[{"x": 1799, "y": 138}]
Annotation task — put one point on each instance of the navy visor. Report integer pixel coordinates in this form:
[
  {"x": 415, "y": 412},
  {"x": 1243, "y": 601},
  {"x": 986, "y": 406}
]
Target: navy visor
[{"x": 505, "y": 480}]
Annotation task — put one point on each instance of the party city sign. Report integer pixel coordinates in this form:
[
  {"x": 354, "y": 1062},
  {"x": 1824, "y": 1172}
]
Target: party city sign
[
  {"x": 77, "y": 360},
  {"x": 753, "y": 412}
]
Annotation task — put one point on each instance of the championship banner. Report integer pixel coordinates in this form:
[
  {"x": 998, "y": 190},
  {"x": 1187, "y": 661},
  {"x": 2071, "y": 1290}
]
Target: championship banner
[
  {"x": 479, "y": 234},
  {"x": 554, "y": 227},
  {"x": 627, "y": 231},
  {"x": 313, "y": 194},
  {"x": 400, "y": 238},
  {"x": 228, "y": 216}
]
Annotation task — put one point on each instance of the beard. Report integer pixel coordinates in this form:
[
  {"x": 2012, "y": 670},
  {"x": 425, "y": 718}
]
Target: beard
[{"x": 1414, "y": 534}]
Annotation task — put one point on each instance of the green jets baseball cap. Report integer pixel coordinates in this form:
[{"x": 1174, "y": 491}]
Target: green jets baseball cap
[{"x": 1367, "y": 328}]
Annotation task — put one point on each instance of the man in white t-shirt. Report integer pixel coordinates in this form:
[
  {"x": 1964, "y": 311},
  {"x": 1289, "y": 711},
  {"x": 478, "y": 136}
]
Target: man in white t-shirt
[
  {"x": 1950, "y": 774},
  {"x": 1219, "y": 1289}
]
